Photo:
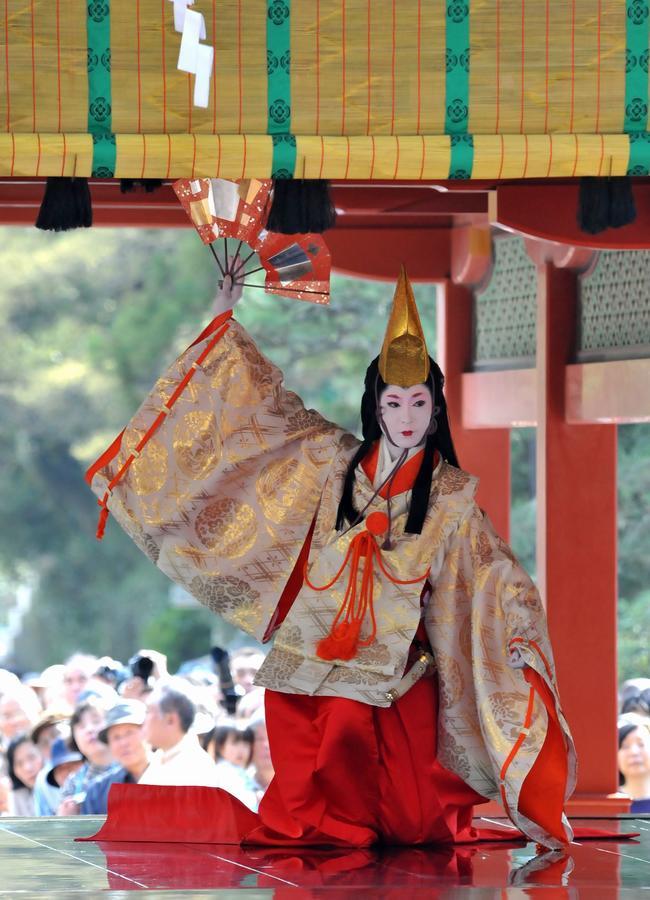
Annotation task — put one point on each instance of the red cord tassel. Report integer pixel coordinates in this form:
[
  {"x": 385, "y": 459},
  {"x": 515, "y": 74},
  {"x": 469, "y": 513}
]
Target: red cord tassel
[
  {"x": 341, "y": 642},
  {"x": 101, "y": 524}
]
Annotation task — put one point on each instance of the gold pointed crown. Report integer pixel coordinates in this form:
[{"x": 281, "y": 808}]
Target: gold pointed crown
[{"x": 404, "y": 359}]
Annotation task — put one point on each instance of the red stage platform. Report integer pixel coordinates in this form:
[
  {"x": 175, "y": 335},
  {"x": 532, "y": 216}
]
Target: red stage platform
[{"x": 39, "y": 857}]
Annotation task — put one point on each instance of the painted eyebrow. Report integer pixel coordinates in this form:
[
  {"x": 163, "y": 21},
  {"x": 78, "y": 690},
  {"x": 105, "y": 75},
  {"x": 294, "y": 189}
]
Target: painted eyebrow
[{"x": 398, "y": 397}]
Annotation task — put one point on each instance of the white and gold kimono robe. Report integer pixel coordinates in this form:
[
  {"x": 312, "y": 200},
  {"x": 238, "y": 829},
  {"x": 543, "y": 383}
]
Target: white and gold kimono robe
[{"x": 221, "y": 495}]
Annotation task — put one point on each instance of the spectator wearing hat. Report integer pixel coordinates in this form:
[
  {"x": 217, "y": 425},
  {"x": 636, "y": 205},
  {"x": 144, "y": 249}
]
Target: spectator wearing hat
[
  {"x": 85, "y": 725},
  {"x": 125, "y": 739},
  {"x": 64, "y": 762},
  {"x": 179, "y": 758},
  {"x": 24, "y": 763},
  {"x": 50, "y": 725}
]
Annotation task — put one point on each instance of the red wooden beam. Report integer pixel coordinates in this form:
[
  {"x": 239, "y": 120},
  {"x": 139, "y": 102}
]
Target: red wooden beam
[
  {"x": 549, "y": 211},
  {"x": 608, "y": 392},
  {"x": 505, "y": 399},
  {"x": 615, "y": 392},
  {"x": 483, "y": 453},
  {"x": 416, "y": 200},
  {"x": 471, "y": 253},
  {"x": 379, "y": 252},
  {"x": 576, "y": 534},
  {"x": 366, "y": 206}
]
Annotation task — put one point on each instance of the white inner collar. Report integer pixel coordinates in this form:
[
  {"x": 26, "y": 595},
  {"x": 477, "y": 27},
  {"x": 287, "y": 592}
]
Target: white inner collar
[{"x": 386, "y": 461}]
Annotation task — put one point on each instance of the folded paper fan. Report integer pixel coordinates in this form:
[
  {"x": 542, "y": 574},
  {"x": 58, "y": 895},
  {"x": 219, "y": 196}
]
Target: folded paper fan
[{"x": 296, "y": 265}]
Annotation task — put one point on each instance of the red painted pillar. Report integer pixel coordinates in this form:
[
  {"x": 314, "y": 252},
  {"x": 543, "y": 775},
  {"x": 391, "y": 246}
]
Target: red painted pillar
[
  {"x": 576, "y": 532},
  {"x": 483, "y": 452}
]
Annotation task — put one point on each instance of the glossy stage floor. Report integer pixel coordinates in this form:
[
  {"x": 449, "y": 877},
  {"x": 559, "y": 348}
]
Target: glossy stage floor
[{"x": 39, "y": 857}]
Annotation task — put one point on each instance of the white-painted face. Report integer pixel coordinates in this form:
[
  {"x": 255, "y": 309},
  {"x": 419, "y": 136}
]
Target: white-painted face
[{"x": 406, "y": 413}]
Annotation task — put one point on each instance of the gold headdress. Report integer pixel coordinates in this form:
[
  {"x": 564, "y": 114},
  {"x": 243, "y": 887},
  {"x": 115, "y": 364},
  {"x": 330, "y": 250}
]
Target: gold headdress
[{"x": 404, "y": 359}]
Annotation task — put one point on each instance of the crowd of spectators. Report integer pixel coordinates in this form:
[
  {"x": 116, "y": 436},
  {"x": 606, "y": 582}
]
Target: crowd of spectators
[
  {"x": 634, "y": 743},
  {"x": 70, "y": 732}
]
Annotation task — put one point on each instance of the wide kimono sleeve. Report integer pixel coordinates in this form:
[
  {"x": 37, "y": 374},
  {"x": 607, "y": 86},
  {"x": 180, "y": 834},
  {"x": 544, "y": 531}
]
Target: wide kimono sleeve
[
  {"x": 501, "y": 728},
  {"x": 218, "y": 476}
]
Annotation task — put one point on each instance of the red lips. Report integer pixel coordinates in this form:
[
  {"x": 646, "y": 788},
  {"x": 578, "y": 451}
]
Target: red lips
[{"x": 407, "y": 433}]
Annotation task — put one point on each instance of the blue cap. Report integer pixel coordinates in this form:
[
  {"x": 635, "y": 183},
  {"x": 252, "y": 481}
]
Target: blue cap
[{"x": 61, "y": 754}]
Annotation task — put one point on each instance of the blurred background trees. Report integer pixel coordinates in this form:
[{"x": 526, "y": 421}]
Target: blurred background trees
[{"x": 88, "y": 320}]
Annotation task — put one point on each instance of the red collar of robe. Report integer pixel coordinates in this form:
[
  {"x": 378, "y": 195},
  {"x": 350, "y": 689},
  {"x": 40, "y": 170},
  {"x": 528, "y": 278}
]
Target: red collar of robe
[
  {"x": 405, "y": 478},
  {"x": 403, "y": 481}
]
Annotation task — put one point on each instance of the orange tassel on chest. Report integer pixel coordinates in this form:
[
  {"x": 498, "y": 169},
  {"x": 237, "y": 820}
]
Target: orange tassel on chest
[{"x": 343, "y": 640}]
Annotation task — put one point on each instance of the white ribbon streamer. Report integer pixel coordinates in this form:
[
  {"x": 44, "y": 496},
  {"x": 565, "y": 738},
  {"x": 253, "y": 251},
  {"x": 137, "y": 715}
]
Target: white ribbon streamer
[
  {"x": 180, "y": 7},
  {"x": 194, "y": 57}
]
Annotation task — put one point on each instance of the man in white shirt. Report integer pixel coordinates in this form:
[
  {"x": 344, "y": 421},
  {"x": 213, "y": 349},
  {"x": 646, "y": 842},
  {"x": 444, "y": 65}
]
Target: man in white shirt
[{"x": 179, "y": 758}]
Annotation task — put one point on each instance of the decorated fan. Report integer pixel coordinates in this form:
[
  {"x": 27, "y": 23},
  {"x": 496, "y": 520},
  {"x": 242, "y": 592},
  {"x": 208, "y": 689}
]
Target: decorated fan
[{"x": 296, "y": 265}]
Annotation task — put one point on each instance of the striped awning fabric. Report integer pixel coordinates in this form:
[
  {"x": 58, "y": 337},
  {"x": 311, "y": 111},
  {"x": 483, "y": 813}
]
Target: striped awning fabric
[{"x": 345, "y": 89}]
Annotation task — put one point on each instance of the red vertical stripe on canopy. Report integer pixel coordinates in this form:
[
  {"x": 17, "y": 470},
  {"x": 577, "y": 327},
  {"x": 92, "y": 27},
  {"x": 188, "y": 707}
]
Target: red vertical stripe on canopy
[
  {"x": 137, "y": 34},
  {"x": 164, "y": 69},
  {"x": 33, "y": 71}
]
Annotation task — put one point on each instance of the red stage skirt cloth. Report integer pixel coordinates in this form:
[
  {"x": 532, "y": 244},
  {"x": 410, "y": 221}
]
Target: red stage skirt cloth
[{"x": 346, "y": 774}]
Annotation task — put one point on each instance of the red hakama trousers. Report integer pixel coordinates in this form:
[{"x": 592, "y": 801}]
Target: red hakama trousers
[{"x": 353, "y": 774}]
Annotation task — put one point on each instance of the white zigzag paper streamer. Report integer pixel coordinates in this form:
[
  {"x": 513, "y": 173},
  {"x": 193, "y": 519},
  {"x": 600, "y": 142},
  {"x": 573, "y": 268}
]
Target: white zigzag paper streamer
[{"x": 194, "y": 57}]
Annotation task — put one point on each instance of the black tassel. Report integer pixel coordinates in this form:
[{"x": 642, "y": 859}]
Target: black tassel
[
  {"x": 622, "y": 210},
  {"x": 605, "y": 203},
  {"x": 593, "y": 205},
  {"x": 301, "y": 206},
  {"x": 66, "y": 205},
  {"x": 147, "y": 184}
]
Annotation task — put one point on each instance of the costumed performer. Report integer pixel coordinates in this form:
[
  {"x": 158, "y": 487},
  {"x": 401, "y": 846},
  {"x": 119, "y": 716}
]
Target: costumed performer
[{"x": 411, "y": 675}]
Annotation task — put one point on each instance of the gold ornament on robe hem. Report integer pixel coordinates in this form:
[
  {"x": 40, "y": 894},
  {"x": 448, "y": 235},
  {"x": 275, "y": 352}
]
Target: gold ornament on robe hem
[
  {"x": 223, "y": 504},
  {"x": 404, "y": 359}
]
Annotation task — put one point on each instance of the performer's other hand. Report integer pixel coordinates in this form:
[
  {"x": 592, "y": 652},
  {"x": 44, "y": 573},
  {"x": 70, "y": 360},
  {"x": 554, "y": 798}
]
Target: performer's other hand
[{"x": 228, "y": 295}]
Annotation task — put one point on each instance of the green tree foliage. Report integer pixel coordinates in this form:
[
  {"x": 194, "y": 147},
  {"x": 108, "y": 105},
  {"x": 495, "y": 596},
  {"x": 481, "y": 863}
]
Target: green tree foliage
[
  {"x": 633, "y": 631},
  {"x": 180, "y": 634},
  {"x": 634, "y": 510},
  {"x": 89, "y": 319},
  {"x": 522, "y": 486}
]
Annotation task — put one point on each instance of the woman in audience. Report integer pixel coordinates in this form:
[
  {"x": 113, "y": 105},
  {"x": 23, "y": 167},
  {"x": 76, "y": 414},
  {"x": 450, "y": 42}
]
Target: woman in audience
[
  {"x": 634, "y": 764},
  {"x": 24, "y": 762}
]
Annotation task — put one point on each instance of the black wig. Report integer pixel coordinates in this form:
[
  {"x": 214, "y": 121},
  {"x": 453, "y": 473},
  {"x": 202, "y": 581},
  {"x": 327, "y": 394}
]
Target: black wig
[{"x": 440, "y": 440}]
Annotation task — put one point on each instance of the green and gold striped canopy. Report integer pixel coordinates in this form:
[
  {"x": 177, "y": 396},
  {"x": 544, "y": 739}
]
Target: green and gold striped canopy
[{"x": 345, "y": 89}]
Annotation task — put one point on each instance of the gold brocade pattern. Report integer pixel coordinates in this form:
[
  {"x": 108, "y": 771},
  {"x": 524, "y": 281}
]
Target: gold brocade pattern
[
  {"x": 197, "y": 445},
  {"x": 191, "y": 501},
  {"x": 279, "y": 487},
  {"x": 149, "y": 472},
  {"x": 223, "y": 506},
  {"x": 227, "y": 527},
  {"x": 483, "y": 599}
]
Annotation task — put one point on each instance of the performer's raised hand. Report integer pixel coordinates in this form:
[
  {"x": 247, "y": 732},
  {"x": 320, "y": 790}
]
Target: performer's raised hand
[{"x": 229, "y": 293}]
